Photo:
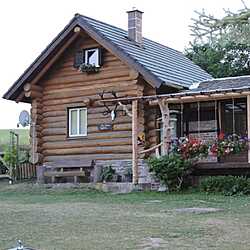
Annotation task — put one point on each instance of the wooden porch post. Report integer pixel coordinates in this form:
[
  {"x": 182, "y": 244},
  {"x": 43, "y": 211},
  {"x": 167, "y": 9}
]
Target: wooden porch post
[
  {"x": 248, "y": 125},
  {"x": 134, "y": 141},
  {"x": 163, "y": 104}
]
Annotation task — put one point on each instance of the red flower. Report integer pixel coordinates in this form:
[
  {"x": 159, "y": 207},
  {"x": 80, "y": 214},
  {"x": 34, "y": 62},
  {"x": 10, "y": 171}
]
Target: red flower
[{"x": 221, "y": 136}]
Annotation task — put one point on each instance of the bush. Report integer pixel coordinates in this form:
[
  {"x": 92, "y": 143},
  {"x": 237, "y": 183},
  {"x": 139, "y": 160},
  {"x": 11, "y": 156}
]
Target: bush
[
  {"x": 170, "y": 170},
  {"x": 107, "y": 174},
  {"x": 227, "y": 185}
]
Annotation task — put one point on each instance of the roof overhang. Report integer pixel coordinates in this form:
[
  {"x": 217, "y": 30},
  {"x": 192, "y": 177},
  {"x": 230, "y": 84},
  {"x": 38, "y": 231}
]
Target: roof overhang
[{"x": 192, "y": 96}]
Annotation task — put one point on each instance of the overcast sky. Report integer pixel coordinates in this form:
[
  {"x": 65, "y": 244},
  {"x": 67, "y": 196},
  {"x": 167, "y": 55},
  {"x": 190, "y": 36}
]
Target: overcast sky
[{"x": 28, "y": 26}]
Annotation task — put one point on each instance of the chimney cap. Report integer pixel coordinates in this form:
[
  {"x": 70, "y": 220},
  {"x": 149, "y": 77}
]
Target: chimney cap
[{"x": 134, "y": 9}]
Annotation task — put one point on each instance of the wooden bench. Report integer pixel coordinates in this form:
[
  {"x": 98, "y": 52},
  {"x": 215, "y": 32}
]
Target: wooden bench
[{"x": 68, "y": 168}]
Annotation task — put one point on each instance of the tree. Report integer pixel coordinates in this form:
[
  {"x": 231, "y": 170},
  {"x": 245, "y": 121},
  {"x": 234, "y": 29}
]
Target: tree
[
  {"x": 221, "y": 46},
  {"x": 230, "y": 59}
]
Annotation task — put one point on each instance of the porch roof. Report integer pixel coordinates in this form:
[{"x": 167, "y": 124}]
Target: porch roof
[{"x": 221, "y": 88}]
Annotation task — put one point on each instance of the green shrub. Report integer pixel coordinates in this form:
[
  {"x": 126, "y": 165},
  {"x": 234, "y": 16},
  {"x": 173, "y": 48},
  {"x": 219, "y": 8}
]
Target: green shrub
[
  {"x": 170, "y": 170},
  {"x": 227, "y": 185},
  {"x": 107, "y": 174}
]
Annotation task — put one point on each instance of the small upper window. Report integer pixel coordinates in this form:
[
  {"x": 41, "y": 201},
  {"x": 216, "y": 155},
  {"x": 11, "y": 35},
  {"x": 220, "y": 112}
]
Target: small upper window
[
  {"x": 92, "y": 57},
  {"x": 77, "y": 122}
]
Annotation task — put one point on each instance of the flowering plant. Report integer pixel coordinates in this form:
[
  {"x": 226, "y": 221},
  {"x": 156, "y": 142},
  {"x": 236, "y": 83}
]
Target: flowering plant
[
  {"x": 231, "y": 144},
  {"x": 191, "y": 148},
  {"x": 88, "y": 68}
]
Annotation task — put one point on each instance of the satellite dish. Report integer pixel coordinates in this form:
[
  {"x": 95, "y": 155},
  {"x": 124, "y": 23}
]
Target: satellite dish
[{"x": 24, "y": 118}]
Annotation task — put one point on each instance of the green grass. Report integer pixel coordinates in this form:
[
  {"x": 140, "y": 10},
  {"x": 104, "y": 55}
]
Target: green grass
[
  {"x": 23, "y": 136},
  {"x": 49, "y": 219}
]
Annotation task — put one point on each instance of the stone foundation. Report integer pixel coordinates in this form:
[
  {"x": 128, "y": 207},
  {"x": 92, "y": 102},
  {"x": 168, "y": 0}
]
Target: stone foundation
[{"x": 123, "y": 166}]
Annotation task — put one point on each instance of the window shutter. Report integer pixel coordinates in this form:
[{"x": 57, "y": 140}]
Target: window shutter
[
  {"x": 100, "y": 54},
  {"x": 79, "y": 58}
]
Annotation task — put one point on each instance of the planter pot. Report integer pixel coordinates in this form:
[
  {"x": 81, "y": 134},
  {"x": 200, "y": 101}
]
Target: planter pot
[{"x": 239, "y": 157}]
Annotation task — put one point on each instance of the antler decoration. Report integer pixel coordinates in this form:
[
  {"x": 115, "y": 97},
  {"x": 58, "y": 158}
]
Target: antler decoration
[{"x": 114, "y": 111}]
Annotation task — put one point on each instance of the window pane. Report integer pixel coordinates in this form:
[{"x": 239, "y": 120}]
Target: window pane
[
  {"x": 73, "y": 122},
  {"x": 93, "y": 57},
  {"x": 82, "y": 121}
]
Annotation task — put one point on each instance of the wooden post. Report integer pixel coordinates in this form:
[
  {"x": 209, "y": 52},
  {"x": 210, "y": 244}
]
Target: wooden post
[
  {"x": 134, "y": 141},
  {"x": 163, "y": 104},
  {"x": 248, "y": 125}
]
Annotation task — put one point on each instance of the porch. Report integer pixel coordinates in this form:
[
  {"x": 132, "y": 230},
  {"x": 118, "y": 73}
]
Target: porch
[{"x": 202, "y": 113}]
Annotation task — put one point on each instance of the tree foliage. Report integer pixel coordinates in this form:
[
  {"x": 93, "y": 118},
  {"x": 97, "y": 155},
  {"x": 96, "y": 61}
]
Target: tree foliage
[
  {"x": 230, "y": 59},
  {"x": 221, "y": 46}
]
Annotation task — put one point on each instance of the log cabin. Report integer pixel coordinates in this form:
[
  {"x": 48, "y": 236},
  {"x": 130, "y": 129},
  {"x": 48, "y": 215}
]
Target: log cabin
[{"x": 104, "y": 96}]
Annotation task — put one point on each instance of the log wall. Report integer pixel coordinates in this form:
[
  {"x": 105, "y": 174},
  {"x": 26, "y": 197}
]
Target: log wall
[{"x": 64, "y": 86}]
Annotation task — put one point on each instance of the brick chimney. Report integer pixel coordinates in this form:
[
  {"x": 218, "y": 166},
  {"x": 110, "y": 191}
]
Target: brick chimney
[{"x": 135, "y": 25}]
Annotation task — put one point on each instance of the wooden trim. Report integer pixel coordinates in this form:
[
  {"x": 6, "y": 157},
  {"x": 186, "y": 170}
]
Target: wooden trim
[
  {"x": 134, "y": 141},
  {"x": 181, "y": 97},
  {"x": 151, "y": 149},
  {"x": 78, "y": 121},
  {"x": 20, "y": 97}
]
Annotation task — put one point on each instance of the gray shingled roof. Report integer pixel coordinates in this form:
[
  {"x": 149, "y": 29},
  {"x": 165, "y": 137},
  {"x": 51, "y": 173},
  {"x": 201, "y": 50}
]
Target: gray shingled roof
[
  {"x": 225, "y": 83},
  {"x": 169, "y": 65}
]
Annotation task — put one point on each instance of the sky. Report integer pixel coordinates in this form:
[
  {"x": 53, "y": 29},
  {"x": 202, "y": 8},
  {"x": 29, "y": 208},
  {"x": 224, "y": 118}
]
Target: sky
[{"x": 28, "y": 26}]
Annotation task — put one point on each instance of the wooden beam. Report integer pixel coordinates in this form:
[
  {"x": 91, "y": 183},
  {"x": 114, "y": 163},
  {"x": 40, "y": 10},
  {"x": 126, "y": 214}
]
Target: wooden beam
[
  {"x": 151, "y": 149},
  {"x": 33, "y": 94},
  {"x": 134, "y": 141},
  {"x": 20, "y": 97},
  {"x": 219, "y": 116},
  {"x": 55, "y": 57},
  {"x": 28, "y": 87},
  {"x": 248, "y": 125},
  {"x": 163, "y": 104}
]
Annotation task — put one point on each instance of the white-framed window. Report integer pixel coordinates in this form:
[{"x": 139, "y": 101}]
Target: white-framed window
[
  {"x": 77, "y": 120},
  {"x": 92, "y": 57}
]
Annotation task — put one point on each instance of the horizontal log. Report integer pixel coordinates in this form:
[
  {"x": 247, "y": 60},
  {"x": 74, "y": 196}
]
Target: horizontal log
[
  {"x": 33, "y": 94},
  {"x": 63, "y": 107},
  {"x": 121, "y": 71},
  {"x": 92, "y": 136},
  {"x": 86, "y": 143},
  {"x": 28, "y": 87},
  {"x": 91, "y": 92},
  {"x": 108, "y": 67},
  {"x": 119, "y": 85},
  {"x": 73, "y": 100},
  {"x": 57, "y": 86},
  {"x": 88, "y": 150},
  {"x": 91, "y": 129},
  {"x": 92, "y": 156}
]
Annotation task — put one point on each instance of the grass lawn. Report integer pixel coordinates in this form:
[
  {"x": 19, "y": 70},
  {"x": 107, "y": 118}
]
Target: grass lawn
[
  {"x": 23, "y": 136},
  {"x": 77, "y": 219}
]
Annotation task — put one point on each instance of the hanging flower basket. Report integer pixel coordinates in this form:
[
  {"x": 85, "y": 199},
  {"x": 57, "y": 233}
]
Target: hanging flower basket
[{"x": 89, "y": 68}]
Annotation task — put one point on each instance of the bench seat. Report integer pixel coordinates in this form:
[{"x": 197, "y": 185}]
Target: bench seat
[{"x": 68, "y": 168}]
